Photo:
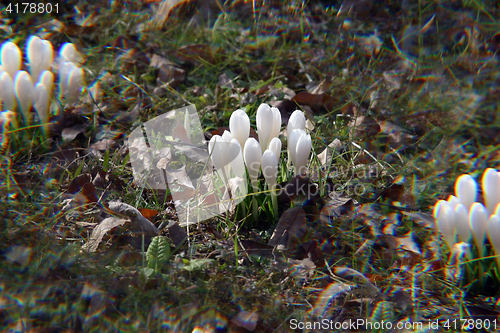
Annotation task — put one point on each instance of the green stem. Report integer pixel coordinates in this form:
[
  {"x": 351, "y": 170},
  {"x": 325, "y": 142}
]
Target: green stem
[
  {"x": 274, "y": 202},
  {"x": 255, "y": 209}
]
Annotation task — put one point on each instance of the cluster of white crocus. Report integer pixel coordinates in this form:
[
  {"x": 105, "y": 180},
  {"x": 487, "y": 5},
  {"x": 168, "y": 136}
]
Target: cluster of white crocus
[
  {"x": 461, "y": 216},
  {"x": 20, "y": 90},
  {"x": 299, "y": 143},
  {"x": 226, "y": 150}
]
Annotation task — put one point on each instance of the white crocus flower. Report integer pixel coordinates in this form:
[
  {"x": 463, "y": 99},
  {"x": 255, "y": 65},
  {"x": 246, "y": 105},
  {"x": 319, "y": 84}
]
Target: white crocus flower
[
  {"x": 42, "y": 104},
  {"x": 23, "y": 87},
  {"x": 11, "y": 57},
  {"x": 268, "y": 124},
  {"x": 269, "y": 167},
  {"x": 239, "y": 125},
  {"x": 217, "y": 148},
  {"x": 297, "y": 121},
  {"x": 70, "y": 81},
  {"x": 40, "y": 56},
  {"x": 299, "y": 147},
  {"x": 7, "y": 94},
  {"x": 494, "y": 235},
  {"x": 252, "y": 154},
  {"x": 445, "y": 222},
  {"x": 47, "y": 79},
  {"x": 478, "y": 221},
  {"x": 466, "y": 190},
  {"x": 490, "y": 184},
  {"x": 68, "y": 52},
  {"x": 275, "y": 146}
]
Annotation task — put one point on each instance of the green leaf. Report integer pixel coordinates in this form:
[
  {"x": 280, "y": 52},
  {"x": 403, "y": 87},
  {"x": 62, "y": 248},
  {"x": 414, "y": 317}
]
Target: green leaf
[
  {"x": 197, "y": 264},
  {"x": 147, "y": 272},
  {"x": 158, "y": 253}
]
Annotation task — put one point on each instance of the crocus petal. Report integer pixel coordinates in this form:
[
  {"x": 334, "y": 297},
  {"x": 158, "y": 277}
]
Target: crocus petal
[
  {"x": 217, "y": 152},
  {"x": 42, "y": 103},
  {"x": 40, "y": 56},
  {"x": 239, "y": 125},
  {"x": 7, "y": 94},
  {"x": 491, "y": 188},
  {"x": 445, "y": 222},
  {"x": 494, "y": 235},
  {"x": 11, "y": 58},
  {"x": 276, "y": 123},
  {"x": 238, "y": 166},
  {"x": 252, "y": 153},
  {"x": 47, "y": 79},
  {"x": 68, "y": 52},
  {"x": 237, "y": 163},
  {"x": 453, "y": 201},
  {"x": 269, "y": 167},
  {"x": 293, "y": 138},
  {"x": 302, "y": 152},
  {"x": 466, "y": 190},
  {"x": 65, "y": 69},
  {"x": 264, "y": 125},
  {"x": 437, "y": 207},
  {"x": 275, "y": 146},
  {"x": 478, "y": 222},
  {"x": 34, "y": 50},
  {"x": 24, "y": 90},
  {"x": 462, "y": 222},
  {"x": 297, "y": 121},
  {"x": 75, "y": 85},
  {"x": 48, "y": 55},
  {"x": 227, "y": 136}
]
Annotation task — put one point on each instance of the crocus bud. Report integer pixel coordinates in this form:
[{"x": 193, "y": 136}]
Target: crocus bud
[
  {"x": 264, "y": 125},
  {"x": 462, "y": 222},
  {"x": 275, "y": 146},
  {"x": 302, "y": 152},
  {"x": 494, "y": 235},
  {"x": 42, "y": 103},
  {"x": 268, "y": 124},
  {"x": 71, "y": 82},
  {"x": 40, "y": 56},
  {"x": 11, "y": 58},
  {"x": 227, "y": 136},
  {"x": 270, "y": 167},
  {"x": 445, "y": 223},
  {"x": 293, "y": 138},
  {"x": 239, "y": 125},
  {"x": 453, "y": 201},
  {"x": 297, "y": 121},
  {"x": 437, "y": 207},
  {"x": 24, "y": 90},
  {"x": 47, "y": 79},
  {"x": 216, "y": 149},
  {"x": 68, "y": 52},
  {"x": 478, "y": 221},
  {"x": 7, "y": 94},
  {"x": 466, "y": 190},
  {"x": 252, "y": 153},
  {"x": 490, "y": 184},
  {"x": 275, "y": 131}
]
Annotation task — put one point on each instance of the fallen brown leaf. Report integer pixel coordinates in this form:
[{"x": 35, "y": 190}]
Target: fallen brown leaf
[
  {"x": 318, "y": 102},
  {"x": 290, "y": 229}
]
